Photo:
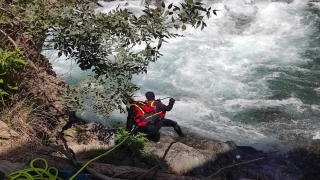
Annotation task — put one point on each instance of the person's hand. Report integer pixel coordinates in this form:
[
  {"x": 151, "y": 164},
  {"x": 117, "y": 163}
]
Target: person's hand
[{"x": 171, "y": 101}]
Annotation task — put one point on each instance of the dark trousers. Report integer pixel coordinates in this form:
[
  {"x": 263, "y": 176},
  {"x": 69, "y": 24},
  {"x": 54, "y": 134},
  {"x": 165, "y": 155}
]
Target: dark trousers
[
  {"x": 152, "y": 131},
  {"x": 174, "y": 124}
]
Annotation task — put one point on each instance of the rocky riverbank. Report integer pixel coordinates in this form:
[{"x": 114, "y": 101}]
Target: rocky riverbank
[{"x": 183, "y": 158}]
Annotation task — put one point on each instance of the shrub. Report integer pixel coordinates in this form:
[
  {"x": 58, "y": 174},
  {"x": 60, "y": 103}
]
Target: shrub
[{"x": 10, "y": 65}]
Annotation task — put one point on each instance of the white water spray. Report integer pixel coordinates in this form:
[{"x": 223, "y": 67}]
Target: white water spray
[{"x": 142, "y": 2}]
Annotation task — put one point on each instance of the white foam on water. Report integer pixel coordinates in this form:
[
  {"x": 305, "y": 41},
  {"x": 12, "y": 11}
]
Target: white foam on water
[{"x": 317, "y": 135}]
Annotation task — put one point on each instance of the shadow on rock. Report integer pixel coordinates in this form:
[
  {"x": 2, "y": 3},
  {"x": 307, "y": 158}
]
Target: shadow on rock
[{"x": 244, "y": 162}]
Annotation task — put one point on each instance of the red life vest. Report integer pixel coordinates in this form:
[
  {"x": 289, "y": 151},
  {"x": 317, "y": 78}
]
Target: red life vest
[{"x": 146, "y": 113}]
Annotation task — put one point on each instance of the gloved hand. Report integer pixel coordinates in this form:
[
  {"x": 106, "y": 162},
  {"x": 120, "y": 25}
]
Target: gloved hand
[{"x": 171, "y": 101}]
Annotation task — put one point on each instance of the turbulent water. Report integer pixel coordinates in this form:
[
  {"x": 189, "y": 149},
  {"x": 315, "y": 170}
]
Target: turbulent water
[{"x": 252, "y": 76}]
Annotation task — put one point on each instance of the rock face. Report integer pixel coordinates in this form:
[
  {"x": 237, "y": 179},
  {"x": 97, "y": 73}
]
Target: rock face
[
  {"x": 186, "y": 155},
  {"x": 86, "y": 137},
  {"x": 7, "y": 167},
  {"x": 202, "y": 157},
  {"x": 271, "y": 114}
]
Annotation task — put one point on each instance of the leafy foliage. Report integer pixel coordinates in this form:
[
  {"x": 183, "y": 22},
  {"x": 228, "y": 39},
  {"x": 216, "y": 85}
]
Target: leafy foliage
[
  {"x": 135, "y": 146},
  {"x": 114, "y": 45},
  {"x": 117, "y": 45},
  {"x": 10, "y": 64},
  {"x": 105, "y": 42},
  {"x": 134, "y": 143}
]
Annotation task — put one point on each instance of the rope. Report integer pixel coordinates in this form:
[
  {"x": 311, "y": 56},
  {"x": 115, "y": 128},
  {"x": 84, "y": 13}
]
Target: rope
[
  {"x": 104, "y": 154},
  {"x": 164, "y": 98},
  {"x": 34, "y": 173}
]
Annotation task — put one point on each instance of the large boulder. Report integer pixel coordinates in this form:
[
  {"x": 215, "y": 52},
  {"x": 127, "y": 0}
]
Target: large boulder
[
  {"x": 187, "y": 154},
  {"x": 89, "y": 136}
]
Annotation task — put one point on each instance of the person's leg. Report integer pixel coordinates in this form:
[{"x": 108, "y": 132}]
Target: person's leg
[
  {"x": 168, "y": 123},
  {"x": 152, "y": 131},
  {"x": 155, "y": 134},
  {"x": 155, "y": 137},
  {"x": 174, "y": 124}
]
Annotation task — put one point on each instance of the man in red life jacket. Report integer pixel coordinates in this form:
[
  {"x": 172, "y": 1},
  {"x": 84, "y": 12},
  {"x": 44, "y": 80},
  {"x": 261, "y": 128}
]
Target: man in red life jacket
[
  {"x": 138, "y": 114},
  {"x": 149, "y": 115}
]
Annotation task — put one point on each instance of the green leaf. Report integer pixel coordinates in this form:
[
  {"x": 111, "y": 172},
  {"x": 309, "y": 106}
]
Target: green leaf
[
  {"x": 189, "y": 1},
  {"x": 3, "y": 92},
  {"x": 208, "y": 14},
  {"x": 176, "y": 8},
  {"x": 198, "y": 24},
  {"x": 1, "y": 81},
  {"x": 160, "y": 43},
  {"x": 184, "y": 27},
  {"x": 12, "y": 87},
  {"x": 214, "y": 12},
  {"x": 166, "y": 13},
  {"x": 202, "y": 26}
]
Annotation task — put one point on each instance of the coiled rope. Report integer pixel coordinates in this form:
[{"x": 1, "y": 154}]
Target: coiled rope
[{"x": 34, "y": 173}]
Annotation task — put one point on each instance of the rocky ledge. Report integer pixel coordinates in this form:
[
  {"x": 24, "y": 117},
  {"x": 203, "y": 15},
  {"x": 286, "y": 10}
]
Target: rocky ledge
[{"x": 186, "y": 158}]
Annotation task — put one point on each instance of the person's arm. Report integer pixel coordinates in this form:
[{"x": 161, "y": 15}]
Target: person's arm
[
  {"x": 130, "y": 118},
  {"x": 163, "y": 107}
]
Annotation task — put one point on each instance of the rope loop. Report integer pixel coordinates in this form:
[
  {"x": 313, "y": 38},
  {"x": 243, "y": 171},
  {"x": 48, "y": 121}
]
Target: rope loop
[{"x": 34, "y": 173}]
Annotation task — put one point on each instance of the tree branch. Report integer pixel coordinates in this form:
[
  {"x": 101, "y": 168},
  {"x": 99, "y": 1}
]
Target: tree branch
[
  {"x": 10, "y": 39},
  {"x": 72, "y": 157},
  {"x": 156, "y": 167},
  {"x": 167, "y": 150}
]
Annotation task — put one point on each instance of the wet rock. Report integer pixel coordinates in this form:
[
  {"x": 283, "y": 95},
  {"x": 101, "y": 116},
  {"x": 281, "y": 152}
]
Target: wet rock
[
  {"x": 7, "y": 167},
  {"x": 306, "y": 160},
  {"x": 244, "y": 162},
  {"x": 285, "y": 1},
  {"x": 271, "y": 114},
  {"x": 206, "y": 144}
]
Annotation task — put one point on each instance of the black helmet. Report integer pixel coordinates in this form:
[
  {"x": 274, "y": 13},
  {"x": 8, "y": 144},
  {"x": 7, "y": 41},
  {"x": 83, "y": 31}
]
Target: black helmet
[{"x": 150, "y": 95}]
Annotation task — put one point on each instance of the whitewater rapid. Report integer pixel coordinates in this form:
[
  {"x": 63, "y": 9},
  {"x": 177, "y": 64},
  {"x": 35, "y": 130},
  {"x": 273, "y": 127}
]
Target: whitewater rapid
[{"x": 253, "y": 56}]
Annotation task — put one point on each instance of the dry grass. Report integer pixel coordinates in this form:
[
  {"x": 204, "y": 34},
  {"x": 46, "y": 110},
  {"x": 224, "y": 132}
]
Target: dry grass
[{"x": 16, "y": 118}]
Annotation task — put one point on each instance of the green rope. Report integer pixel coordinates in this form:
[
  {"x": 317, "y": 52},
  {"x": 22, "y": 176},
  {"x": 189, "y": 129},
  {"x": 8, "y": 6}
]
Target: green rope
[
  {"x": 84, "y": 166},
  {"x": 34, "y": 173}
]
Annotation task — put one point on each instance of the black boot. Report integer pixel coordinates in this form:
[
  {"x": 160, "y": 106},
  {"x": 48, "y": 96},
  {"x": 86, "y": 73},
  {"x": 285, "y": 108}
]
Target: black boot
[{"x": 178, "y": 130}]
